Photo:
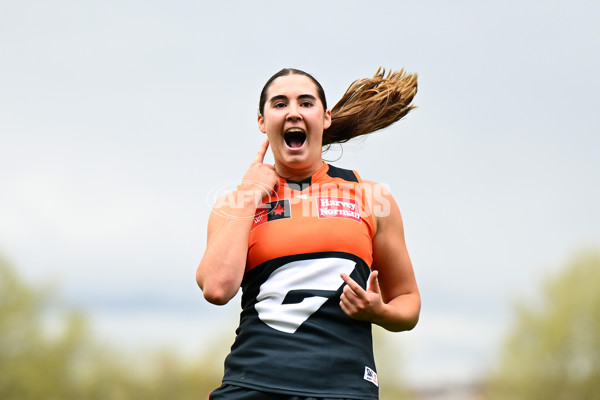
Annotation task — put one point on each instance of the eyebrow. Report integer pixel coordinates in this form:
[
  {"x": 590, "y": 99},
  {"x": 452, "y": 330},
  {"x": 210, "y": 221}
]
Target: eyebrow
[{"x": 283, "y": 97}]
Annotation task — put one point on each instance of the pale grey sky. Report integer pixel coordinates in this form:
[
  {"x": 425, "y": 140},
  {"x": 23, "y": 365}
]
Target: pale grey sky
[{"x": 117, "y": 119}]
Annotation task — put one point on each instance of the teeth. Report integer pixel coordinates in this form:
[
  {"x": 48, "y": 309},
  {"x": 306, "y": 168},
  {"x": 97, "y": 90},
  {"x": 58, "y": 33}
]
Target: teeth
[{"x": 295, "y": 137}]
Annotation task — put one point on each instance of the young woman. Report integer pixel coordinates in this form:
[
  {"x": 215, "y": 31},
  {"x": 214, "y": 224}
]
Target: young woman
[{"x": 318, "y": 252}]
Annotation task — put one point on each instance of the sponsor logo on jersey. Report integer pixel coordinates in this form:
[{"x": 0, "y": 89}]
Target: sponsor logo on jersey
[
  {"x": 371, "y": 376},
  {"x": 272, "y": 211},
  {"x": 338, "y": 207}
]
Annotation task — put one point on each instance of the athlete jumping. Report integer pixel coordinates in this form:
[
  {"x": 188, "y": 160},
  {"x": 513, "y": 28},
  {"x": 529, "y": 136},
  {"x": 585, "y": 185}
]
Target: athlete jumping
[{"x": 319, "y": 252}]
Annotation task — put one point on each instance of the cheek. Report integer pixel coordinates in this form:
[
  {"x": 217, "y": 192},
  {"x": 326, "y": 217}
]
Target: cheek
[
  {"x": 274, "y": 139},
  {"x": 271, "y": 123}
]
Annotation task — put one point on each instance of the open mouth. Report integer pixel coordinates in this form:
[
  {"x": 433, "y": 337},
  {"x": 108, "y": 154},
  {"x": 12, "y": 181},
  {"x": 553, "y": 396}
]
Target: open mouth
[{"x": 294, "y": 138}]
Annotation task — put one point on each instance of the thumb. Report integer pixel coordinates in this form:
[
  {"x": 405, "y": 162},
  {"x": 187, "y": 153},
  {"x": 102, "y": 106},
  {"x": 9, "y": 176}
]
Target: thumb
[{"x": 374, "y": 282}]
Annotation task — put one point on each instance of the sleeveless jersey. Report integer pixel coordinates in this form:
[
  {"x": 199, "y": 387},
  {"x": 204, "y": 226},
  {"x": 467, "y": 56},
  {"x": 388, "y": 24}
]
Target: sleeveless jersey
[{"x": 293, "y": 336}]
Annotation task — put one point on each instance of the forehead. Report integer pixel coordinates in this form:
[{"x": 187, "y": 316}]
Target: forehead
[{"x": 292, "y": 86}]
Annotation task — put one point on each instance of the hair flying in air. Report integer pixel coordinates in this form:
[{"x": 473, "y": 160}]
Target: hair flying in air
[{"x": 371, "y": 104}]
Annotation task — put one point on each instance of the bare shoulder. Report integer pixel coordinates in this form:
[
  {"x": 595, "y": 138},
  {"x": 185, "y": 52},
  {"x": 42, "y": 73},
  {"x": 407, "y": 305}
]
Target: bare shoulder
[
  {"x": 380, "y": 202},
  {"x": 376, "y": 187}
]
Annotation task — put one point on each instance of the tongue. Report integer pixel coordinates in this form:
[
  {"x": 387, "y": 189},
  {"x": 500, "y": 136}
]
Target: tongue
[{"x": 296, "y": 143}]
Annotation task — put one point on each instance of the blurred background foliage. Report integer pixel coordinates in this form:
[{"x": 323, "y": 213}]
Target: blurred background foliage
[
  {"x": 66, "y": 363},
  {"x": 552, "y": 350}
]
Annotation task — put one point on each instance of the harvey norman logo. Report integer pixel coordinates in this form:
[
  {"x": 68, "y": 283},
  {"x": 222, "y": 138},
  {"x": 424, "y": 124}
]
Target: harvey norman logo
[{"x": 338, "y": 207}]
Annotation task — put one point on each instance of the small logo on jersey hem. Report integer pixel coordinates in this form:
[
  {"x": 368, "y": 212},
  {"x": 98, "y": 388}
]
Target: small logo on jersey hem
[
  {"x": 338, "y": 207},
  {"x": 371, "y": 376},
  {"x": 272, "y": 211}
]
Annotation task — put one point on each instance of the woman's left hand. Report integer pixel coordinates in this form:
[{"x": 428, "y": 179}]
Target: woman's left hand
[{"x": 360, "y": 304}]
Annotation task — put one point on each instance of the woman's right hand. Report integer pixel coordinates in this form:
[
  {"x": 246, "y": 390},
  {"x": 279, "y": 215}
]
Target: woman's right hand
[
  {"x": 260, "y": 178},
  {"x": 221, "y": 269}
]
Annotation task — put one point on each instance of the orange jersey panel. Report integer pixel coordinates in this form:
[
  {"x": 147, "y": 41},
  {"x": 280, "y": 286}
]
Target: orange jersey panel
[{"x": 327, "y": 215}]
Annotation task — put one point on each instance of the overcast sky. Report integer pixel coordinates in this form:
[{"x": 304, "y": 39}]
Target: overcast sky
[{"x": 120, "y": 119}]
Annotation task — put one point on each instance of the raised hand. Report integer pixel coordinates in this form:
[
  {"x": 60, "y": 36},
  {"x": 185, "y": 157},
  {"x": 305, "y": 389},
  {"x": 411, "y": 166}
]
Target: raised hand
[
  {"x": 260, "y": 177},
  {"x": 221, "y": 269}
]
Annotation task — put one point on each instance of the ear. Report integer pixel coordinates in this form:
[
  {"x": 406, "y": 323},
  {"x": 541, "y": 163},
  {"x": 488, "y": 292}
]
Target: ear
[
  {"x": 327, "y": 119},
  {"x": 261, "y": 123}
]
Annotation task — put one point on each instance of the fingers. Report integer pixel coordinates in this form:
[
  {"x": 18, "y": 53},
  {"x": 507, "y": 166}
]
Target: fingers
[
  {"x": 260, "y": 155},
  {"x": 374, "y": 282},
  {"x": 356, "y": 290},
  {"x": 355, "y": 287},
  {"x": 260, "y": 177},
  {"x": 353, "y": 300},
  {"x": 361, "y": 304}
]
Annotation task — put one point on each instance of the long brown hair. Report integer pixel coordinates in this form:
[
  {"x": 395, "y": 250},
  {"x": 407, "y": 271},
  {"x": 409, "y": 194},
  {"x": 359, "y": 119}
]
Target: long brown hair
[
  {"x": 371, "y": 104},
  {"x": 368, "y": 105}
]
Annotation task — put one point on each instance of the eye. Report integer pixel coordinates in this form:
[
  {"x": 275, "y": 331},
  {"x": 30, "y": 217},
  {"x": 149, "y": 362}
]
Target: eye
[
  {"x": 279, "y": 105},
  {"x": 306, "y": 104}
]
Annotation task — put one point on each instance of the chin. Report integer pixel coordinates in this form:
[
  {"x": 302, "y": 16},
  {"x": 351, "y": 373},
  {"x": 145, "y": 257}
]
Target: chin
[{"x": 295, "y": 160}]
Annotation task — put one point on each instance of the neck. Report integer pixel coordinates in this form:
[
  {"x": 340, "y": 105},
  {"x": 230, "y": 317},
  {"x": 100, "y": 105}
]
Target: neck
[{"x": 297, "y": 174}]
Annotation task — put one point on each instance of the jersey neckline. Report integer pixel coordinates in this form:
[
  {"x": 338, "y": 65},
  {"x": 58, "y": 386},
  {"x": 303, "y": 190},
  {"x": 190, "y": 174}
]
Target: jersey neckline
[{"x": 306, "y": 183}]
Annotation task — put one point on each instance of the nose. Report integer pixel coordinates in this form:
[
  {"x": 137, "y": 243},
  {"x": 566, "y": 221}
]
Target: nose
[{"x": 293, "y": 112}]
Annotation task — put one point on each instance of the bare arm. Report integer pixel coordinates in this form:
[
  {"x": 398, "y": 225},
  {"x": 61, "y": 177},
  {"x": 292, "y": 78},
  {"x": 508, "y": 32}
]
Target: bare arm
[
  {"x": 392, "y": 299},
  {"x": 221, "y": 269}
]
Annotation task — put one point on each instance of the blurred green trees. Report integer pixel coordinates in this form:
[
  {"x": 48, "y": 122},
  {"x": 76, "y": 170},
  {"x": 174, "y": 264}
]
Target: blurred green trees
[
  {"x": 553, "y": 350},
  {"x": 31, "y": 366},
  {"x": 65, "y": 363},
  {"x": 37, "y": 364}
]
